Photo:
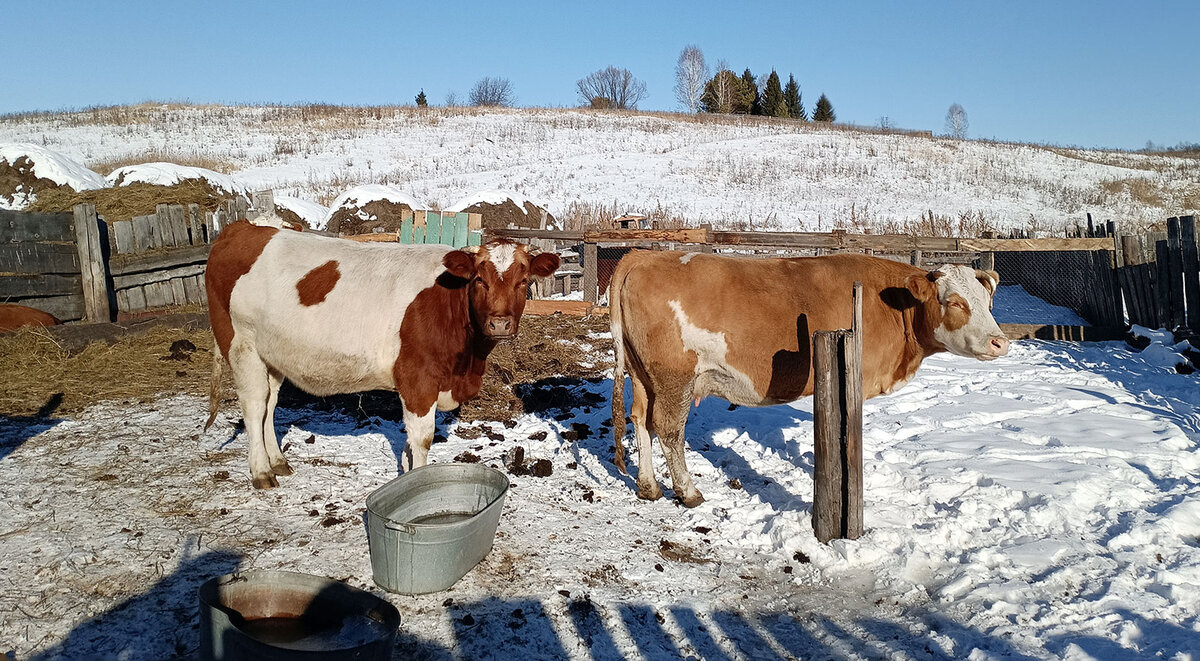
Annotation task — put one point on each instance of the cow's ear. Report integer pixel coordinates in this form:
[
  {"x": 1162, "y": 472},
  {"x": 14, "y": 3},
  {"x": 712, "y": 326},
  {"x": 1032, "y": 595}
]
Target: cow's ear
[
  {"x": 924, "y": 287},
  {"x": 459, "y": 264},
  {"x": 544, "y": 264}
]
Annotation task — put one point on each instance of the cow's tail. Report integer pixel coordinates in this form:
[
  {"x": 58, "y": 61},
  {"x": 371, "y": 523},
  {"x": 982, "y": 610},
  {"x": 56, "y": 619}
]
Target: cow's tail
[
  {"x": 214, "y": 387},
  {"x": 615, "y": 315}
]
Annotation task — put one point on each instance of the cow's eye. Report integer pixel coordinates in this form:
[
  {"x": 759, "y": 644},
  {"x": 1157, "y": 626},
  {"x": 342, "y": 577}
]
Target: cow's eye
[
  {"x": 479, "y": 281},
  {"x": 523, "y": 282}
]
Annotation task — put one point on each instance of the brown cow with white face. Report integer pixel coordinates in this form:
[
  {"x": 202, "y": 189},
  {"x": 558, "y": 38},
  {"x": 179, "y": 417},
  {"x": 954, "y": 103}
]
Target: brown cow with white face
[
  {"x": 336, "y": 316},
  {"x": 689, "y": 325}
]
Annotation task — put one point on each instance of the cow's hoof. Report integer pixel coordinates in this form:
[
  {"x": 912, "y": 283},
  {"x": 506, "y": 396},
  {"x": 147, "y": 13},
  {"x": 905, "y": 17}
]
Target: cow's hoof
[
  {"x": 692, "y": 501},
  {"x": 649, "y": 493},
  {"x": 282, "y": 469},
  {"x": 268, "y": 482}
]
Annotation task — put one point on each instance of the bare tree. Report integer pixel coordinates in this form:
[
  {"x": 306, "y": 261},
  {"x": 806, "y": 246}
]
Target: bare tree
[
  {"x": 719, "y": 92},
  {"x": 956, "y": 122},
  {"x": 617, "y": 87},
  {"x": 691, "y": 73},
  {"x": 492, "y": 92},
  {"x": 451, "y": 99}
]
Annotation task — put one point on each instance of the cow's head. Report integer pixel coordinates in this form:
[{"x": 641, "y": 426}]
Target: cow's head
[
  {"x": 498, "y": 276},
  {"x": 958, "y": 299}
]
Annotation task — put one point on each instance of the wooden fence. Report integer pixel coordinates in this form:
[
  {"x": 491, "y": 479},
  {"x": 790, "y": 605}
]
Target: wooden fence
[
  {"x": 159, "y": 260},
  {"x": 454, "y": 229},
  {"x": 47, "y": 262},
  {"x": 1164, "y": 293}
]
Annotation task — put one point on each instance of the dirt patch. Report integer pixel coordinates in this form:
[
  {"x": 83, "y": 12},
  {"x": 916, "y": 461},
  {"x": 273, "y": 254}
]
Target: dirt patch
[
  {"x": 139, "y": 199},
  {"x": 17, "y": 182},
  {"x": 381, "y": 216},
  {"x": 498, "y": 216},
  {"x": 290, "y": 216}
]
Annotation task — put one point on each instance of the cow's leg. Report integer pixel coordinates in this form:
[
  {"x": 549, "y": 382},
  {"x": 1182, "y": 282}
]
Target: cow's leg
[
  {"x": 254, "y": 390},
  {"x": 639, "y": 411},
  {"x": 279, "y": 463},
  {"x": 419, "y": 427},
  {"x": 670, "y": 416}
]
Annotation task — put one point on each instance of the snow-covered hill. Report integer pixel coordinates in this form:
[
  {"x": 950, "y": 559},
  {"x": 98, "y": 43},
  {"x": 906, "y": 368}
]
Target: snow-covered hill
[{"x": 729, "y": 171}]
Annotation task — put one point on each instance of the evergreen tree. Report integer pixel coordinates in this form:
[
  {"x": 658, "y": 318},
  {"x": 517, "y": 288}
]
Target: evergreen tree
[
  {"x": 748, "y": 101},
  {"x": 791, "y": 96},
  {"x": 421, "y": 101},
  {"x": 721, "y": 93},
  {"x": 824, "y": 111},
  {"x": 773, "y": 103}
]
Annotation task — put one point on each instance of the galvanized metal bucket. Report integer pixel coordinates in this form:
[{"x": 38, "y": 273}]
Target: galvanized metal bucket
[
  {"x": 287, "y": 616},
  {"x": 430, "y": 526}
]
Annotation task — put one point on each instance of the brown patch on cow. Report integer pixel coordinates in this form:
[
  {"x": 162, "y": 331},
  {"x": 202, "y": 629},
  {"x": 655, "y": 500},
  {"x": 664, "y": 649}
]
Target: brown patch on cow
[
  {"x": 14, "y": 316},
  {"x": 317, "y": 283},
  {"x": 232, "y": 256},
  {"x": 958, "y": 313}
]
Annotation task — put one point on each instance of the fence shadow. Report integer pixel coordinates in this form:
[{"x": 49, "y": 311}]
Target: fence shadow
[
  {"x": 15, "y": 430},
  {"x": 162, "y": 622}
]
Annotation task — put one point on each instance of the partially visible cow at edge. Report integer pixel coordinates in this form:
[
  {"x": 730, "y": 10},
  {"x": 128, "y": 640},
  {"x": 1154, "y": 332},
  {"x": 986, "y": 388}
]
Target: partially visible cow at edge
[
  {"x": 689, "y": 325},
  {"x": 335, "y": 316},
  {"x": 13, "y": 316}
]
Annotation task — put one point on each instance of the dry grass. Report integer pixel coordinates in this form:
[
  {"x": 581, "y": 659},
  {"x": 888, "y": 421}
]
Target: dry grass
[
  {"x": 582, "y": 215},
  {"x": 40, "y": 374},
  {"x": 1142, "y": 191},
  {"x": 125, "y": 202},
  {"x": 161, "y": 156}
]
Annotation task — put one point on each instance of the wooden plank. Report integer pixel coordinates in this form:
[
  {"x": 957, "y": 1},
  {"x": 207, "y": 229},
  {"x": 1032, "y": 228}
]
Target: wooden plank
[
  {"x": 263, "y": 201},
  {"x": 21, "y": 286},
  {"x": 1191, "y": 270},
  {"x": 433, "y": 227},
  {"x": 123, "y": 234},
  {"x": 827, "y": 456},
  {"x": 179, "y": 226},
  {"x": 17, "y": 226},
  {"x": 475, "y": 222},
  {"x": 461, "y": 230},
  {"x": 191, "y": 289},
  {"x": 1071, "y": 333},
  {"x": 544, "y": 307},
  {"x": 91, "y": 264},
  {"x": 158, "y": 294},
  {"x": 406, "y": 227},
  {"x": 122, "y": 302},
  {"x": 1131, "y": 252},
  {"x": 676, "y": 236},
  {"x": 852, "y": 395},
  {"x": 147, "y": 277},
  {"x": 127, "y": 264},
  {"x": 1178, "y": 317},
  {"x": 178, "y": 291},
  {"x": 196, "y": 225},
  {"x": 1003, "y": 245},
  {"x": 37, "y": 258},
  {"x": 591, "y": 261},
  {"x": 491, "y": 234},
  {"x": 145, "y": 233},
  {"x": 162, "y": 222},
  {"x": 137, "y": 299},
  {"x": 419, "y": 227},
  {"x": 1162, "y": 277},
  {"x": 203, "y": 289},
  {"x": 65, "y": 308},
  {"x": 378, "y": 237}
]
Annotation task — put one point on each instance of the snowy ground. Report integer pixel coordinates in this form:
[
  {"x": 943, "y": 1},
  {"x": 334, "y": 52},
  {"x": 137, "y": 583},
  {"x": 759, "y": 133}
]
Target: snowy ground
[
  {"x": 724, "y": 171},
  {"x": 1045, "y": 505}
]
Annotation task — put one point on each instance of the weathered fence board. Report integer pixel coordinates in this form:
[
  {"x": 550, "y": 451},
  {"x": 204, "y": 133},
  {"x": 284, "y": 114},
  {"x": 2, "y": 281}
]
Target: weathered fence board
[
  {"x": 38, "y": 258},
  {"x": 126, "y": 264},
  {"x": 65, "y": 308},
  {"x": 146, "y": 277},
  {"x": 28, "y": 285},
  {"x": 18, "y": 227},
  {"x": 91, "y": 261}
]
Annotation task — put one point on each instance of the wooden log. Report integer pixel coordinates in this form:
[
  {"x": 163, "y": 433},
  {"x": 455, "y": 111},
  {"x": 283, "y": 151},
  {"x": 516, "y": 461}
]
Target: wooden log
[
  {"x": 146, "y": 277},
  {"x": 38, "y": 258},
  {"x": 145, "y": 233},
  {"x": 179, "y": 228},
  {"x": 123, "y": 233},
  {"x": 1191, "y": 270},
  {"x": 852, "y": 346},
  {"x": 94, "y": 279},
  {"x": 591, "y": 280},
  {"x": 127, "y": 264},
  {"x": 27, "y": 285},
  {"x": 162, "y": 222},
  {"x": 18, "y": 227}
]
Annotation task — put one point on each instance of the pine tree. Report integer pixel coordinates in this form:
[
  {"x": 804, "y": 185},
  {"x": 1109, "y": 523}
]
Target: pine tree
[
  {"x": 773, "y": 104},
  {"x": 824, "y": 111},
  {"x": 748, "y": 100},
  {"x": 791, "y": 96},
  {"x": 421, "y": 101}
]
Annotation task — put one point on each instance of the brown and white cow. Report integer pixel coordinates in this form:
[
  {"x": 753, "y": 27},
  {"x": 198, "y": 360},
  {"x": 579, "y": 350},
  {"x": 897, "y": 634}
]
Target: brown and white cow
[
  {"x": 335, "y": 316},
  {"x": 689, "y": 325},
  {"x": 13, "y": 316}
]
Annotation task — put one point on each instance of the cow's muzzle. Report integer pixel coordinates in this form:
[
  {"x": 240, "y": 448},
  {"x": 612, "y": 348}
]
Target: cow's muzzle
[
  {"x": 500, "y": 327},
  {"x": 996, "y": 346}
]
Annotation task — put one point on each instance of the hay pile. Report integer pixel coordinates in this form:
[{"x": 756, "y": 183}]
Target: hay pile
[
  {"x": 381, "y": 216},
  {"x": 18, "y": 182},
  {"x": 499, "y": 216},
  {"x": 139, "y": 199}
]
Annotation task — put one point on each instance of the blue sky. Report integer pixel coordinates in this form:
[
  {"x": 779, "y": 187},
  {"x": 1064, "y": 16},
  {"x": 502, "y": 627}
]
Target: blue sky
[{"x": 1070, "y": 73}]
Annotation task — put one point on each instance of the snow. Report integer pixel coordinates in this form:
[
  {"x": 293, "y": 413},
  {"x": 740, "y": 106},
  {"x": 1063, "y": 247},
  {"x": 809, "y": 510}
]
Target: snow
[
  {"x": 169, "y": 174},
  {"x": 47, "y": 164},
  {"x": 360, "y": 196},
  {"x": 311, "y": 212},
  {"x": 1013, "y": 305},
  {"x": 492, "y": 197},
  {"x": 1045, "y": 505}
]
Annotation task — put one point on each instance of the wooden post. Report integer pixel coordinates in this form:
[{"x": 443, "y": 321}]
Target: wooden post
[
  {"x": 591, "y": 273},
  {"x": 987, "y": 261},
  {"x": 1191, "y": 270},
  {"x": 1131, "y": 253},
  {"x": 837, "y": 425},
  {"x": 91, "y": 264},
  {"x": 915, "y": 258},
  {"x": 1175, "y": 264}
]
